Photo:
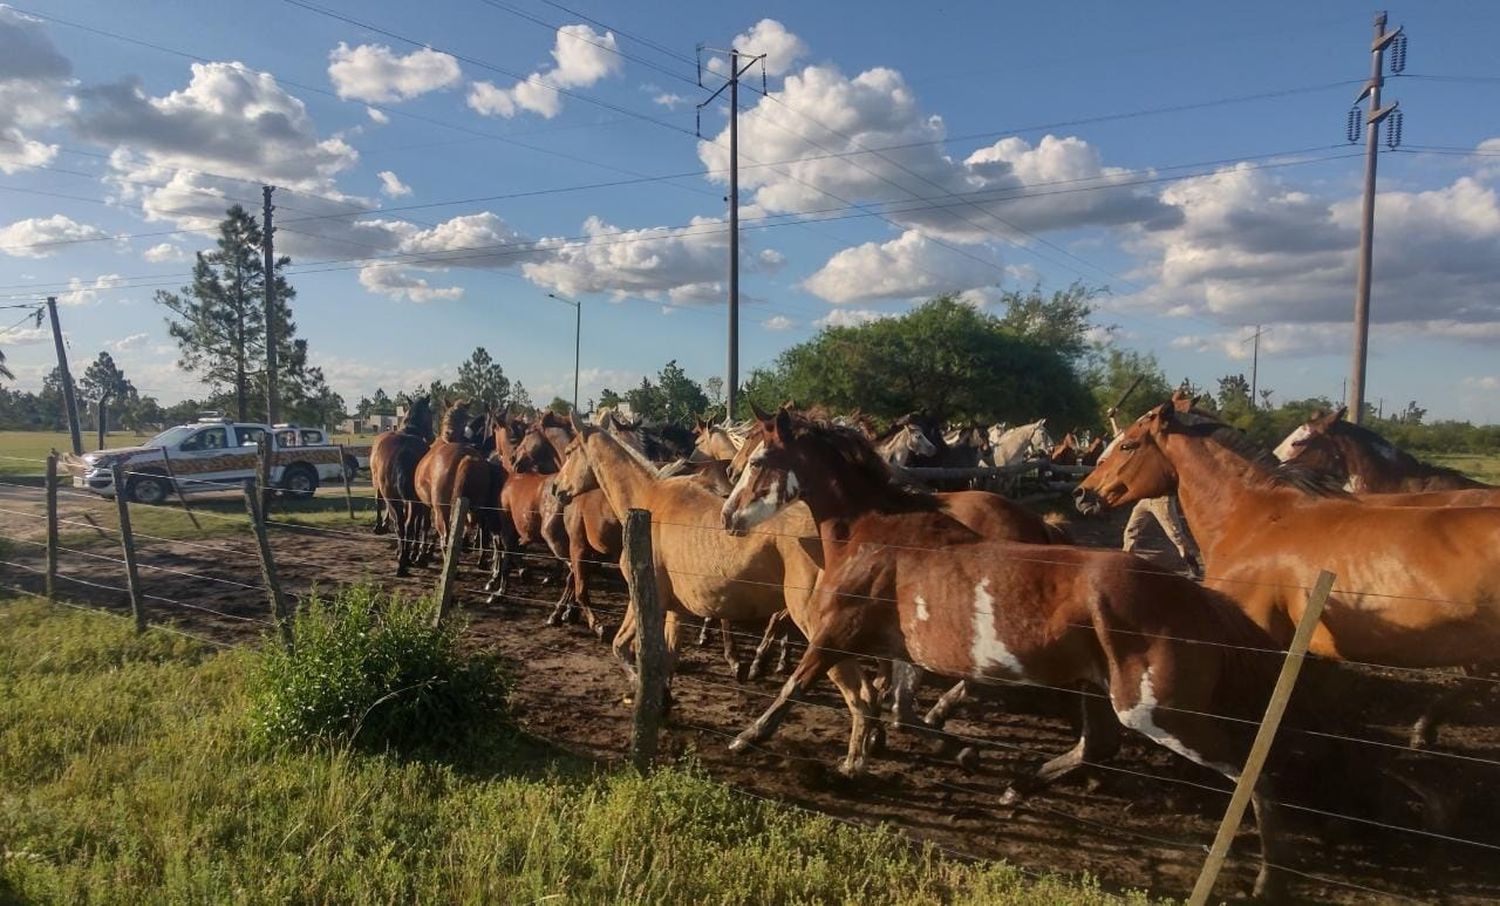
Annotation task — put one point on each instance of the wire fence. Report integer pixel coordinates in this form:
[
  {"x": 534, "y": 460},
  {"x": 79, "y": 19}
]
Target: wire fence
[{"x": 211, "y": 565}]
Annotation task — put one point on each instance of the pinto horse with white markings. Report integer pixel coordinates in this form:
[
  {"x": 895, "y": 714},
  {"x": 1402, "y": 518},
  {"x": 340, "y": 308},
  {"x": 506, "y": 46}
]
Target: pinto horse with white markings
[
  {"x": 1366, "y": 462},
  {"x": 906, "y": 581}
]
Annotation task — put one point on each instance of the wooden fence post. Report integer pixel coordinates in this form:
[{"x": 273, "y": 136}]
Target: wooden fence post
[
  {"x": 279, "y": 613},
  {"x": 344, "y": 471},
  {"x": 1264, "y": 736},
  {"x": 127, "y": 544},
  {"x": 650, "y": 640},
  {"x": 166, "y": 460},
  {"x": 52, "y": 526},
  {"x": 457, "y": 515}
]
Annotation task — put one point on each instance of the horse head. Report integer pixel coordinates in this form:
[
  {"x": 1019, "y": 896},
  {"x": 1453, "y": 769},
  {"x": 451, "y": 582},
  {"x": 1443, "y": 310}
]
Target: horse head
[
  {"x": 576, "y": 475},
  {"x": 766, "y": 484},
  {"x": 1134, "y": 466}
]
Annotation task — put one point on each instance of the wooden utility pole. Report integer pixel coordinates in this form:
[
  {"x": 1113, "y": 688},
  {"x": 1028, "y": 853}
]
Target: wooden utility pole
[
  {"x": 1254, "y": 340},
  {"x": 268, "y": 244},
  {"x": 731, "y": 389},
  {"x": 1373, "y": 119},
  {"x": 69, "y": 400}
]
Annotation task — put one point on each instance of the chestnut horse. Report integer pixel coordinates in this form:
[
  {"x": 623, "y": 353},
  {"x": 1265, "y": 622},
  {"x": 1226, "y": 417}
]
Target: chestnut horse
[
  {"x": 452, "y": 469},
  {"x": 1417, "y": 586},
  {"x": 1365, "y": 461},
  {"x": 906, "y": 581},
  {"x": 393, "y": 471},
  {"x": 1092, "y": 452}
]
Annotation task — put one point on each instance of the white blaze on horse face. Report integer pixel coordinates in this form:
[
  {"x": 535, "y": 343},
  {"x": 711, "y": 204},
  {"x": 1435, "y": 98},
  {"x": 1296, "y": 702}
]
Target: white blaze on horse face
[
  {"x": 1288, "y": 447},
  {"x": 1141, "y": 717},
  {"x": 752, "y": 513},
  {"x": 922, "y": 612},
  {"x": 988, "y": 650}
]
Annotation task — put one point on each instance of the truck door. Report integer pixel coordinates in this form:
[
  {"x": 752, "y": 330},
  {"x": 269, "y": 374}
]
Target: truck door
[{"x": 205, "y": 457}]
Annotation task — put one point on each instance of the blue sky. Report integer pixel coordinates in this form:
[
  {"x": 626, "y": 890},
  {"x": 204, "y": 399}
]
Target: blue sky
[{"x": 903, "y": 150}]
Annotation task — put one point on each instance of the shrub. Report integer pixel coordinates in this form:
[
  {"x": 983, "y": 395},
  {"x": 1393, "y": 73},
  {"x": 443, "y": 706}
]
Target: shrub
[{"x": 369, "y": 669}]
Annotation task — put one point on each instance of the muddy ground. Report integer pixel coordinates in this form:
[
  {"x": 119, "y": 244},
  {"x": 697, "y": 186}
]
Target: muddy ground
[{"x": 1144, "y": 822}]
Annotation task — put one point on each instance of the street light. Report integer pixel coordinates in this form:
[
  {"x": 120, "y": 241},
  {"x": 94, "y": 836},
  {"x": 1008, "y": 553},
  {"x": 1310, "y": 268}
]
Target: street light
[{"x": 577, "y": 335}]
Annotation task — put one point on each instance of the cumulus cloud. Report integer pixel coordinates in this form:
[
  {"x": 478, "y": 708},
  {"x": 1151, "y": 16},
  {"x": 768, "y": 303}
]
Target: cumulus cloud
[
  {"x": 35, "y": 83},
  {"x": 851, "y": 317},
  {"x": 388, "y": 281},
  {"x": 134, "y": 341},
  {"x": 377, "y": 116},
  {"x": 378, "y": 75},
  {"x": 581, "y": 58},
  {"x": 25, "y": 336},
  {"x": 82, "y": 292},
  {"x": 669, "y": 100},
  {"x": 1004, "y": 190},
  {"x": 164, "y": 251},
  {"x": 778, "y": 323},
  {"x": 652, "y": 261},
  {"x": 1251, "y": 248},
  {"x": 908, "y": 266},
  {"x": 391, "y": 186},
  {"x": 768, "y": 36},
  {"x": 42, "y": 237}
]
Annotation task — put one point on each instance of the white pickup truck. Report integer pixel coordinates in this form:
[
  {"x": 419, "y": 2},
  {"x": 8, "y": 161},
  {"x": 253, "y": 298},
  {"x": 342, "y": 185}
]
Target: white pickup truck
[{"x": 214, "y": 454}]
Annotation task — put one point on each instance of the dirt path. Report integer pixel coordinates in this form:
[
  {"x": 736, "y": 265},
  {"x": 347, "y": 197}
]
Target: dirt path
[{"x": 1142, "y": 825}]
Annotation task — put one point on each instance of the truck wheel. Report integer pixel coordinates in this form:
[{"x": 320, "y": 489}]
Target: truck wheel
[
  {"x": 300, "y": 481},
  {"x": 351, "y": 468},
  {"x": 148, "y": 489}
]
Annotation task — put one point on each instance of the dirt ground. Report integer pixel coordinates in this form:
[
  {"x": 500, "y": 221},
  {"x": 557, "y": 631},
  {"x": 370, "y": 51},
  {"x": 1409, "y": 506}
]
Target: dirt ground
[{"x": 1142, "y": 822}]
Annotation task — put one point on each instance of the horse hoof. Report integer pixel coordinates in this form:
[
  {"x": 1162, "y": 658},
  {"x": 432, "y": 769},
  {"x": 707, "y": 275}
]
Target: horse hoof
[
  {"x": 553, "y": 619},
  {"x": 1423, "y": 735},
  {"x": 875, "y": 742},
  {"x": 756, "y": 672},
  {"x": 741, "y": 742},
  {"x": 1012, "y": 796},
  {"x": 740, "y": 670}
]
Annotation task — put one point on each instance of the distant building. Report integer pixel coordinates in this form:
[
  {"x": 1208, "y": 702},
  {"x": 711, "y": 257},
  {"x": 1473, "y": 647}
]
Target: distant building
[{"x": 372, "y": 425}]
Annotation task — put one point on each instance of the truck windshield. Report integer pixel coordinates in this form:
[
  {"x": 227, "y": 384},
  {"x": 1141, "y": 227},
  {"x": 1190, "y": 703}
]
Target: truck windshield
[{"x": 171, "y": 437}]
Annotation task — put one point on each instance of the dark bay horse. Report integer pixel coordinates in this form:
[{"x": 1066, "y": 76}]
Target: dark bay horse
[
  {"x": 1365, "y": 461},
  {"x": 393, "y": 471},
  {"x": 904, "y": 580}
]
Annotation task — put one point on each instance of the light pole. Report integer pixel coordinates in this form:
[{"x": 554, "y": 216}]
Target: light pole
[{"x": 577, "y": 339}]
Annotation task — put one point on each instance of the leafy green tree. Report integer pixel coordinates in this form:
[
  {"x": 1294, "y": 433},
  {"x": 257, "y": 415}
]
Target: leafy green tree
[
  {"x": 1060, "y": 321},
  {"x": 519, "y": 398},
  {"x": 560, "y": 406},
  {"x": 1115, "y": 372},
  {"x": 943, "y": 358},
  {"x": 609, "y": 399},
  {"x": 683, "y": 398},
  {"x": 1234, "y": 394},
  {"x": 482, "y": 381},
  {"x": 5, "y": 372},
  {"x": 647, "y": 401},
  {"x": 104, "y": 384},
  {"x": 218, "y": 321}
]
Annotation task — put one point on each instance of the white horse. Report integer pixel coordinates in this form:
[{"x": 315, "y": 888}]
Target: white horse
[
  {"x": 900, "y": 447},
  {"x": 1015, "y": 446}
]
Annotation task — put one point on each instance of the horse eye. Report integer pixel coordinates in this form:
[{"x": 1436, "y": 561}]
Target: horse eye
[{"x": 1128, "y": 445}]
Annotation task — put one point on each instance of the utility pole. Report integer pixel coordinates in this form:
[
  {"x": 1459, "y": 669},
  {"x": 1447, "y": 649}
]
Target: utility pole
[
  {"x": 577, "y": 341},
  {"x": 733, "y": 84},
  {"x": 1373, "y": 118},
  {"x": 268, "y": 244},
  {"x": 69, "y": 400},
  {"x": 1254, "y": 339}
]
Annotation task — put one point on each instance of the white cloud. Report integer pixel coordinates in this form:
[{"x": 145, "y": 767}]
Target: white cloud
[
  {"x": 378, "y": 75},
  {"x": 35, "y": 83},
  {"x": 377, "y": 116},
  {"x": 134, "y": 341},
  {"x": 669, "y": 101},
  {"x": 1486, "y": 382},
  {"x": 25, "y": 336},
  {"x": 851, "y": 317},
  {"x": 388, "y": 281},
  {"x": 650, "y": 261},
  {"x": 86, "y": 293},
  {"x": 1252, "y": 249},
  {"x": 391, "y": 185},
  {"x": 164, "y": 251},
  {"x": 909, "y": 266},
  {"x": 581, "y": 58},
  {"x": 768, "y": 36},
  {"x": 778, "y": 323},
  {"x": 42, "y": 237}
]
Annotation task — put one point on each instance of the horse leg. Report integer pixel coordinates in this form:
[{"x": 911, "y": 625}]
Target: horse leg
[
  {"x": 403, "y": 538},
  {"x": 1424, "y": 732},
  {"x": 784, "y": 659},
  {"x": 767, "y": 639},
  {"x": 1098, "y": 741},
  {"x": 864, "y": 725},
  {"x": 731, "y": 651},
  {"x": 940, "y": 712},
  {"x": 381, "y": 526},
  {"x": 905, "y": 678},
  {"x": 621, "y": 645},
  {"x": 703, "y": 631}
]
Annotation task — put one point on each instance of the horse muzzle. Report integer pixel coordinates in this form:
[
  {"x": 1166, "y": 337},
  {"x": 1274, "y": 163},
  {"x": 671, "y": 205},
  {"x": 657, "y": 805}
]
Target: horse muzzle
[
  {"x": 1087, "y": 502},
  {"x": 732, "y": 521}
]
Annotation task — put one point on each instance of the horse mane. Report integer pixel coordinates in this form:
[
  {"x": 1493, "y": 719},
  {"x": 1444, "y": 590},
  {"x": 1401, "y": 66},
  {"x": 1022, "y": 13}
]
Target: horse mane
[
  {"x": 856, "y": 452},
  {"x": 455, "y": 423},
  {"x": 1364, "y": 435},
  {"x": 1274, "y": 472}
]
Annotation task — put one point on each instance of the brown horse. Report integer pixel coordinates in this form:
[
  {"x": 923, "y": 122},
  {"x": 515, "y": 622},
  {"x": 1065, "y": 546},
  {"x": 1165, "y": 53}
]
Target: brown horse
[
  {"x": 714, "y": 442},
  {"x": 452, "y": 469},
  {"x": 1066, "y": 452},
  {"x": 592, "y": 536},
  {"x": 393, "y": 471},
  {"x": 906, "y": 581},
  {"x": 699, "y": 570},
  {"x": 1092, "y": 452},
  {"x": 1365, "y": 461},
  {"x": 1417, "y": 587}
]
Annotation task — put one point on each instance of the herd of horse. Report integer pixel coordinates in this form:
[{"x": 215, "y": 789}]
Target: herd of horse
[{"x": 801, "y": 520}]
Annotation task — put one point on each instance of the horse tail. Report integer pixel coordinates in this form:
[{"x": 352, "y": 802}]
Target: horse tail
[{"x": 1056, "y": 527}]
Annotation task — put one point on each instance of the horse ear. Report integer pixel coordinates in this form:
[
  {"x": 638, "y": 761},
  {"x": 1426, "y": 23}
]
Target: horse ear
[
  {"x": 1165, "y": 414},
  {"x": 783, "y": 423},
  {"x": 573, "y": 421},
  {"x": 758, "y": 412},
  {"x": 1322, "y": 421},
  {"x": 699, "y": 424}
]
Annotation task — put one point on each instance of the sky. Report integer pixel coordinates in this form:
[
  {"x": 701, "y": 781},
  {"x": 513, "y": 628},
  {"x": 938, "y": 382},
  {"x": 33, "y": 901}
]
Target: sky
[{"x": 442, "y": 167}]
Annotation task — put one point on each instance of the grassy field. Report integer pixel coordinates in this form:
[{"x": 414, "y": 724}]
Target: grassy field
[
  {"x": 1485, "y": 468},
  {"x": 23, "y": 452},
  {"x": 127, "y": 775}
]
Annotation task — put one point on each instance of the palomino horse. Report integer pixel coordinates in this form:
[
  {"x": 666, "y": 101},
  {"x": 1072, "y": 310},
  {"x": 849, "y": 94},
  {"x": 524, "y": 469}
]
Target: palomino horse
[
  {"x": 393, "y": 471},
  {"x": 700, "y": 571},
  {"x": 714, "y": 442},
  {"x": 963, "y": 606},
  {"x": 1363, "y": 460},
  {"x": 1417, "y": 587},
  {"x": 1014, "y": 446}
]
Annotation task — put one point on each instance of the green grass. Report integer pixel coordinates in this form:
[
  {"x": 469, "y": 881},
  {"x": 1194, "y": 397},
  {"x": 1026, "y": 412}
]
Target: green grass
[
  {"x": 24, "y": 452},
  {"x": 127, "y": 775},
  {"x": 1484, "y": 467}
]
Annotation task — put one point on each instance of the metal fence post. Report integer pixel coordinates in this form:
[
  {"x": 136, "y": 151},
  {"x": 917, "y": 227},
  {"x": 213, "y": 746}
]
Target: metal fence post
[{"x": 650, "y": 640}]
